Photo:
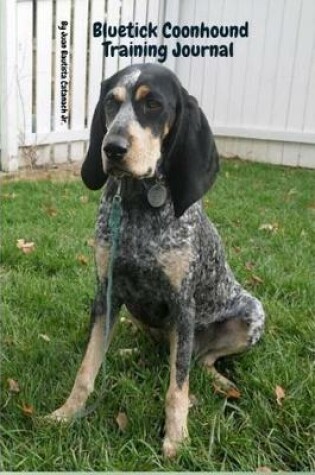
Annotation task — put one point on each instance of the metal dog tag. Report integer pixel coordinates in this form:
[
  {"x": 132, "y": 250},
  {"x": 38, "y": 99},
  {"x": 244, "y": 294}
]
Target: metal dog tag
[{"x": 157, "y": 195}]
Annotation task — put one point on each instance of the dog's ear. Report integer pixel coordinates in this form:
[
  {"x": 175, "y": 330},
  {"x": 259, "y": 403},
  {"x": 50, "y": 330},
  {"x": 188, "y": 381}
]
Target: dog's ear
[
  {"x": 92, "y": 172},
  {"x": 191, "y": 158}
]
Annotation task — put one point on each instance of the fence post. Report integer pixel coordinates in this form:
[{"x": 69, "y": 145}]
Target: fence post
[{"x": 8, "y": 90}]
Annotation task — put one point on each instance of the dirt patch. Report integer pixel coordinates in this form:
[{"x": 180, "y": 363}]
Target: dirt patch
[{"x": 66, "y": 172}]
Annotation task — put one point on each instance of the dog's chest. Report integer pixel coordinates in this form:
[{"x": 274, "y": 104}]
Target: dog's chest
[
  {"x": 139, "y": 279},
  {"x": 137, "y": 268},
  {"x": 149, "y": 262}
]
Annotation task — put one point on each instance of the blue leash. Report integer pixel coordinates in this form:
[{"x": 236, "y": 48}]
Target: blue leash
[{"x": 114, "y": 229}]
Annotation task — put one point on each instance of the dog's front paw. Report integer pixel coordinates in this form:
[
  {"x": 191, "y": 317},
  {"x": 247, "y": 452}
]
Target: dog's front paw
[
  {"x": 64, "y": 414},
  {"x": 172, "y": 445},
  {"x": 170, "y": 448}
]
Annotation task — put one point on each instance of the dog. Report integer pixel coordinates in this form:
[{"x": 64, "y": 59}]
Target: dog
[{"x": 152, "y": 145}]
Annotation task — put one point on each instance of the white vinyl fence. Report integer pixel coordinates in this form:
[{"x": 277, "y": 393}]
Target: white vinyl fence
[{"x": 260, "y": 103}]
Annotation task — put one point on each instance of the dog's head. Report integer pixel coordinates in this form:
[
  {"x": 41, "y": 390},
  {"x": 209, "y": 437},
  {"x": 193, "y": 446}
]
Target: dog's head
[{"x": 146, "y": 121}]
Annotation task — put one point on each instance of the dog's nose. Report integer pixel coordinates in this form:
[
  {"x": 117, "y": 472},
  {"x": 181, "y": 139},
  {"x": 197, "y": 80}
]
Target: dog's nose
[{"x": 116, "y": 149}]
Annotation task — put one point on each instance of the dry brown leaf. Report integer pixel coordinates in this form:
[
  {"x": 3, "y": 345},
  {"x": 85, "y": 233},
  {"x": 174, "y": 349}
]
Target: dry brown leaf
[
  {"x": 263, "y": 470},
  {"x": 255, "y": 279},
  {"x": 280, "y": 394},
  {"x": 249, "y": 265},
  {"x": 14, "y": 386},
  {"x": 122, "y": 421},
  {"x": 82, "y": 259},
  {"x": 44, "y": 337},
  {"x": 27, "y": 409},
  {"x": 84, "y": 199},
  {"x": 231, "y": 393},
  {"x": 25, "y": 247},
  {"x": 51, "y": 211}
]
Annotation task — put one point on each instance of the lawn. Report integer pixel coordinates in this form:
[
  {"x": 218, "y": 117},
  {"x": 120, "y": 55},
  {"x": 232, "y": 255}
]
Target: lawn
[{"x": 265, "y": 216}]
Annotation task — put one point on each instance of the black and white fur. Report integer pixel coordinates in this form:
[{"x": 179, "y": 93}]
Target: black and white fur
[{"x": 170, "y": 271}]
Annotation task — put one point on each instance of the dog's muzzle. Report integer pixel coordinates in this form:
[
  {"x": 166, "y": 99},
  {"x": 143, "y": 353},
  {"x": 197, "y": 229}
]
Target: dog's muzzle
[{"x": 116, "y": 148}]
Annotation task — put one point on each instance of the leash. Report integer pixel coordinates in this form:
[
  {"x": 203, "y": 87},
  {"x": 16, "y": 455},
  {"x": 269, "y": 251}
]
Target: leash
[{"x": 114, "y": 232}]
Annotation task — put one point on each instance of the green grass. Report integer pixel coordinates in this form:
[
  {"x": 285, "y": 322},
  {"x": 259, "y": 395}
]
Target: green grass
[{"x": 49, "y": 292}]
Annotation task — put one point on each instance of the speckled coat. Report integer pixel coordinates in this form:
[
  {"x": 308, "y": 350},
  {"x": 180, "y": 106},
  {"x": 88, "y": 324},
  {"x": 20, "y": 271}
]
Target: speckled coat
[{"x": 170, "y": 268}]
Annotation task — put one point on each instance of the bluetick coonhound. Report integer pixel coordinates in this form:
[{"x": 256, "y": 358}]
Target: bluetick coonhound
[{"x": 151, "y": 137}]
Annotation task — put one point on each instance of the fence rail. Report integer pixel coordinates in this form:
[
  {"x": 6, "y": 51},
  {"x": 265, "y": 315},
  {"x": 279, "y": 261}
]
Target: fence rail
[{"x": 260, "y": 103}]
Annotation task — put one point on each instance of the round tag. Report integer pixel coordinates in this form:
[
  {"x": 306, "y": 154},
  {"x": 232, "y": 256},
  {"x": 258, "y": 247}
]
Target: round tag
[{"x": 157, "y": 195}]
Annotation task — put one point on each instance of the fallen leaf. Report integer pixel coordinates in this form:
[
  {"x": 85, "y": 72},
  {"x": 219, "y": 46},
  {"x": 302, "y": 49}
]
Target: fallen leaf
[
  {"x": 255, "y": 279},
  {"x": 44, "y": 337},
  {"x": 122, "y": 421},
  {"x": 82, "y": 259},
  {"x": 27, "y": 409},
  {"x": 25, "y": 247},
  {"x": 84, "y": 199},
  {"x": 249, "y": 265},
  {"x": 237, "y": 249},
  {"x": 14, "y": 386},
  {"x": 271, "y": 227},
  {"x": 51, "y": 211},
  {"x": 263, "y": 470},
  {"x": 231, "y": 393},
  {"x": 280, "y": 394}
]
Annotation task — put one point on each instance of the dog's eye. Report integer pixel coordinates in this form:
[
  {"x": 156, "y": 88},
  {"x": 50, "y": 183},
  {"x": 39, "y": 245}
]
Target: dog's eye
[
  {"x": 112, "y": 103},
  {"x": 151, "y": 105}
]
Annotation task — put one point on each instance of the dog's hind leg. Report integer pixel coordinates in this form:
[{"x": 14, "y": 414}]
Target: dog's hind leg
[
  {"x": 96, "y": 348},
  {"x": 229, "y": 337}
]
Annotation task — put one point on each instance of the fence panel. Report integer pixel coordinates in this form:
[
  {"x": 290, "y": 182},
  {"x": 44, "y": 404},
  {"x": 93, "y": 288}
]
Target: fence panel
[
  {"x": 24, "y": 78},
  {"x": 95, "y": 57},
  {"x": 9, "y": 88}
]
